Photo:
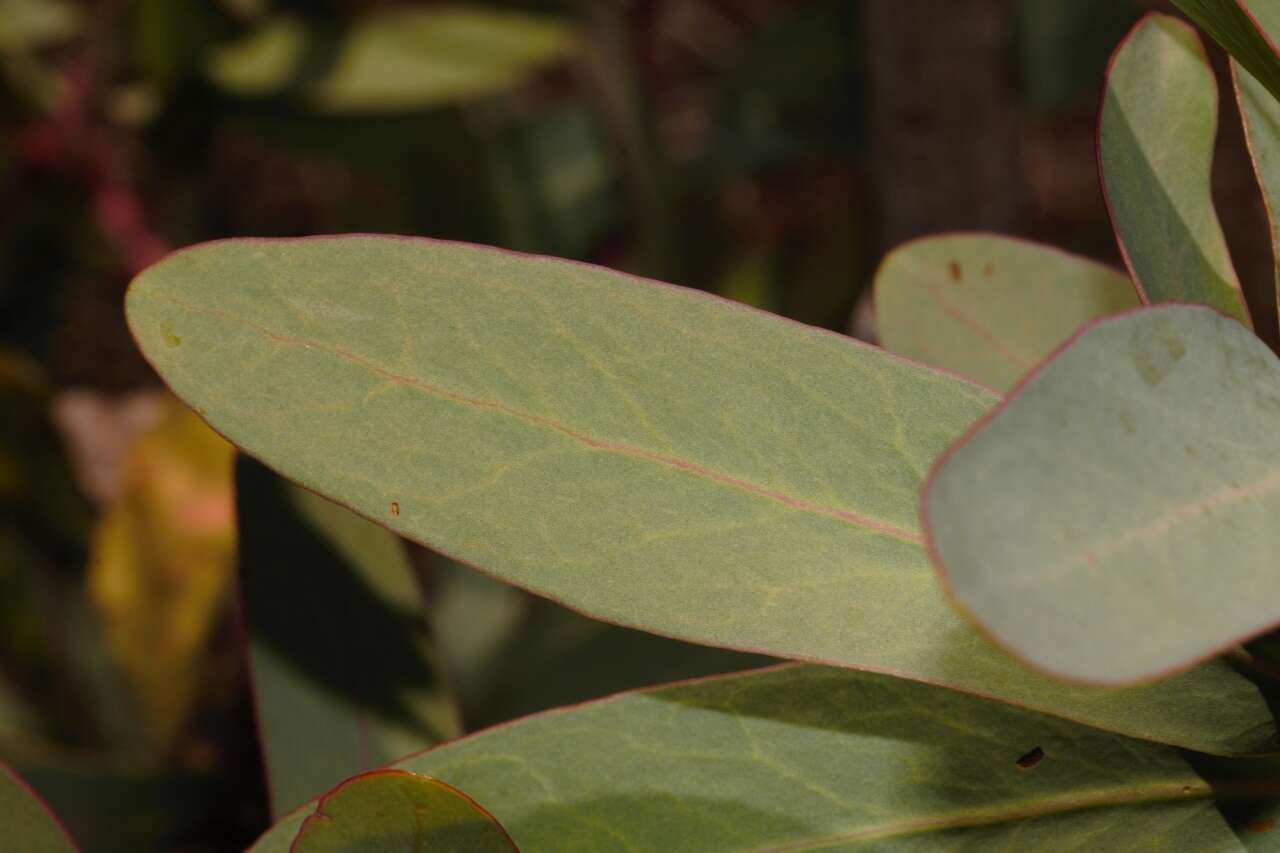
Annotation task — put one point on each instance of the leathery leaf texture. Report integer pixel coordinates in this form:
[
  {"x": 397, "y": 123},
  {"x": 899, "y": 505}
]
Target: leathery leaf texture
[
  {"x": 1155, "y": 149},
  {"x": 816, "y": 758},
  {"x": 1113, "y": 520},
  {"x": 646, "y": 454},
  {"x": 394, "y": 811}
]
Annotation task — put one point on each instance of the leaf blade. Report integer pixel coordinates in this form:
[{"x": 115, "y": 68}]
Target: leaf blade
[
  {"x": 811, "y": 757},
  {"x": 26, "y": 817},
  {"x": 1155, "y": 149},
  {"x": 1128, "y": 478},
  {"x": 741, "y": 559},
  {"x": 989, "y": 307},
  {"x": 1244, "y": 29}
]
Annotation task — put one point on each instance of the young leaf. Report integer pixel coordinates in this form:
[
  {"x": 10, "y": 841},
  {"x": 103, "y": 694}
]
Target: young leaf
[
  {"x": 27, "y": 821},
  {"x": 801, "y": 757},
  {"x": 344, "y": 676},
  {"x": 989, "y": 307},
  {"x": 1112, "y": 521},
  {"x": 1155, "y": 149},
  {"x": 1244, "y": 31},
  {"x": 645, "y": 454},
  {"x": 392, "y": 811}
]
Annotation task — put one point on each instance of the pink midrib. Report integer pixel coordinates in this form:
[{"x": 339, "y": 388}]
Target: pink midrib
[{"x": 912, "y": 537}]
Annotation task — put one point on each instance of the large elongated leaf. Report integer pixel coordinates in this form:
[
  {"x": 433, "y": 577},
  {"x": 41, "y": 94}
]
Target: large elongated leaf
[
  {"x": 344, "y": 676},
  {"x": 1155, "y": 149},
  {"x": 393, "y": 811},
  {"x": 989, "y": 307},
  {"x": 801, "y": 757},
  {"x": 1243, "y": 29},
  {"x": 645, "y": 454},
  {"x": 1113, "y": 520},
  {"x": 27, "y": 821}
]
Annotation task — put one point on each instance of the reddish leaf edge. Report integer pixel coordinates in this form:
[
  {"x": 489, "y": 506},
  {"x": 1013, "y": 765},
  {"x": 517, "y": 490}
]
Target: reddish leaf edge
[
  {"x": 31, "y": 792},
  {"x": 1102, "y": 178},
  {"x": 939, "y": 565},
  {"x": 1256, "y": 164},
  {"x": 320, "y": 802},
  {"x": 796, "y": 658}
]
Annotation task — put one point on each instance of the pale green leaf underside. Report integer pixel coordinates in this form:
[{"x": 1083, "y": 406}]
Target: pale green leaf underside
[
  {"x": 1156, "y": 135},
  {"x": 1245, "y": 28},
  {"x": 27, "y": 821},
  {"x": 1114, "y": 521},
  {"x": 990, "y": 307},
  {"x": 398, "y": 58},
  {"x": 648, "y": 455},
  {"x": 811, "y": 758},
  {"x": 393, "y": 811},
  {"x": 345, "y": 678}
]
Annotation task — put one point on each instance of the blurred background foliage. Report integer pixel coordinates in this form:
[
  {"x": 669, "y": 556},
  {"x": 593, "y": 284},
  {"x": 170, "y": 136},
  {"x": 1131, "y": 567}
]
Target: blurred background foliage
[{"x": 767, "y": 150}]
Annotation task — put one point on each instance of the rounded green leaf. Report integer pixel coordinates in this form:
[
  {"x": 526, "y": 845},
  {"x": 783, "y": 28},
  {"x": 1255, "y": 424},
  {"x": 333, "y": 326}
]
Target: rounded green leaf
[
  {"x": 27, "y": 821},
  {"x": 1155, "y": 149},
  {"x": 390, "y": 811},
  {"x": 989, "y": 307},
  {"x": 647, "y": 455},
  {"x": 802, "y": 757},
  {"x": 1113, "y": 520}
]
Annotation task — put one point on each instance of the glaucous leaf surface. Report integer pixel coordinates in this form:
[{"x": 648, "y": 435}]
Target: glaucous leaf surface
[
  {"x": 1245, "y": 28},
  {"x": 396, "y": 59},
  {"x": 1111, "y": 522},
  {"x": 803, "y": 757},
  {"x": 645, "y": 454},
  {"x": 989, "y": 307},
  {"x": 344, "y": 675},
  {"x": 393, "y": 811},
  {"x": 26, "y": 821},
  {"x": 1155, "y": 146}
]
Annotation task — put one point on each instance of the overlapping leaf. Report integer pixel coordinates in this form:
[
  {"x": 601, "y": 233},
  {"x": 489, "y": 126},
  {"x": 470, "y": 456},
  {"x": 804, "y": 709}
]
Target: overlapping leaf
[
  {"x": 1245, "y": 28},
  {"x": 27, "y": 821},
  {"x": 801, "y": 757},
  {"x": 989, "y": 307},
  {"x": 1112, "y": 522},
  {"x": 393, "y": 811},
  {"x": 1155, "y": 145},
  {"x": 345, "y": 679},
  {"x": 646, "y": 454}
]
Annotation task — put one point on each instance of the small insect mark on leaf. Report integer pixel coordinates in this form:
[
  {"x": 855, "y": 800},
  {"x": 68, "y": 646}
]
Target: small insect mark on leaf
[
  {"x": 988, "y": 270},
  {"x": 1031, "y": 759},
  {"x": 956, "y": 273},
  {"x": 395, "y": 508}
]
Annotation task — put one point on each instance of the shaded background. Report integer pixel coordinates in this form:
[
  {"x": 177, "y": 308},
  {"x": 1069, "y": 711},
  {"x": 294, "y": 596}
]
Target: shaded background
[{"x": 767, "y": 150}]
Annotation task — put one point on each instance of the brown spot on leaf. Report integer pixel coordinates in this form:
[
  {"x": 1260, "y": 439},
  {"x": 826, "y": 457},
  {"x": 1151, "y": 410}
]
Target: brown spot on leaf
[
  {"x": 1265, "y": 824},
  {"x": 988, "y": 270},
  {"x": 395, "y": 509},
  {"x": 956, "y": 272},
  {"x": 1031, "y": 759}
]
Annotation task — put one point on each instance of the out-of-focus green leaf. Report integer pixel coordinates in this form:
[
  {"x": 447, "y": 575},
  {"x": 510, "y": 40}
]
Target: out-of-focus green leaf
[
  {"x": 29, "y": 24},
  {"x": 393, "y": 811},
  {"x": 1155, "y": 143},
  {"x": 396, "y": 59},
  {"x": 989, "y": 307},
  {"x": 27, "y": 822},
  {"x": 646, "y": 454},
  {"x": 345, "y": 679},
  {"x": 800, "y": 757},
  {"x": 1112, "y": 522},
  {"x": 1246, "y": 29}
]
